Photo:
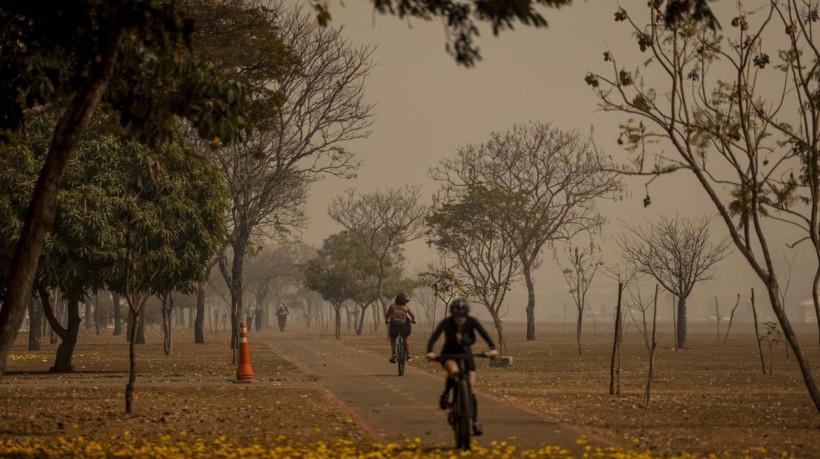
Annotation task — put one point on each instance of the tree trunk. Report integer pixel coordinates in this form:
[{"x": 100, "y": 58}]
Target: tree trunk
[
  {"x": 578, "y": 329},
  {"x": 360, "y": 325},
  {"x": 199, "y": 334},
  {"x": 42, "y": 209},
  {"x": 530, "y": 302},
  {"x": 35, "y": 315},
  {"x": 132, "y": 365},
  {"x": 87, "y": 314},
  {"x": 65, "y": 352},
  {"x": 167, "y": 328},
  {"x": 129, "y": 325},
  {"x": 614, "y": 370},
  {"x": 499, "y": 328},
  {"x": 140, "y": 328},
  {"x": 815, "y": 300},
  {"x": 681, "y": 322},
  {"x": 348, "y": 319},
  {"x": 234, "y": 282},
  {"x": 117, "y": 315},
  {"x": 791, "y": 337},
  {"x": 97, "y": 317},
  {"x": 652, "y": 348},
  {"x": 338, "y": 321}
]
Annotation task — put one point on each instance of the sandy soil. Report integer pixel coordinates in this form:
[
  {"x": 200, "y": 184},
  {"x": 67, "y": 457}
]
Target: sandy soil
[{"x": 707, "y": 398}]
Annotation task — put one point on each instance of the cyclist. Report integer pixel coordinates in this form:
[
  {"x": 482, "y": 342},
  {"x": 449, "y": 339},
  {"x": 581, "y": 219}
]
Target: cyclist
[
  {"x": 397, "y": 319},
  {"x": 459, "y": 334}
]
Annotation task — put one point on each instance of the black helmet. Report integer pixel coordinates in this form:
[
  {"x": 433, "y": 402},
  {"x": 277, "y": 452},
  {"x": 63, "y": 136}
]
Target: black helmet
[
  {"x": 459, "y": 307},
  {"x": 402, "y": 299}
]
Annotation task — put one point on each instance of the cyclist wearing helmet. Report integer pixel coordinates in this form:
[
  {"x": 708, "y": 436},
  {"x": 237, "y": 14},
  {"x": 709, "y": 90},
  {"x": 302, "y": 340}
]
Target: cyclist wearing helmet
[
  {"x": 399, "y": 317},
  {"x": 459, "y": 334}
]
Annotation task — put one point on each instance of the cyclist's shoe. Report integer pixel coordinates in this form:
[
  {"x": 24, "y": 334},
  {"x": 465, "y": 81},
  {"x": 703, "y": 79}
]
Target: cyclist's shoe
[
  {"x": 443, "y": 401},
  {"x": 393, "y": 358},
  {"x": 409, "y": 358},
  {"x": 477, "y": 430}
]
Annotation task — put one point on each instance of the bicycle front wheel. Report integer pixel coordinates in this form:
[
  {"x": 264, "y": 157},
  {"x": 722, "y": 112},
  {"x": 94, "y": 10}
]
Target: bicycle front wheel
[{"x": 463, "y": 414}]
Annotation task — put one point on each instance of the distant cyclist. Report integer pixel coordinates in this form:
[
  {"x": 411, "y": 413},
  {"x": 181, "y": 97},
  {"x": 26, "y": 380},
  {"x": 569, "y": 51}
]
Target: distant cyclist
[
  {"x": 459, "y": 334},
  {"x": 399, "y": 317}
]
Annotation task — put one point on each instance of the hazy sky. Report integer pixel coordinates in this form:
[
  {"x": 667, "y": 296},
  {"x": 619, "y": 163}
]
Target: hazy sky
[{"x": 426, "y": 106}]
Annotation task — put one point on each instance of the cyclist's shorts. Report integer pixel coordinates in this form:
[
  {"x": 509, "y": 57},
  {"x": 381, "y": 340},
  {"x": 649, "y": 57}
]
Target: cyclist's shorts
[
  {"x": 469, "y": 360},
  {"x": 400, "y": 329}
]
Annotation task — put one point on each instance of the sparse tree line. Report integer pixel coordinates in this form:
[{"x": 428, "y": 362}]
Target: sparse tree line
[{"x": 139, "y": 156}]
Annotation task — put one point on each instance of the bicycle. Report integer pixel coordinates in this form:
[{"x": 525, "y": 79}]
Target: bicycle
[
  {"x": 460, "y": 414},
  {"x": 401, "y": 354}
]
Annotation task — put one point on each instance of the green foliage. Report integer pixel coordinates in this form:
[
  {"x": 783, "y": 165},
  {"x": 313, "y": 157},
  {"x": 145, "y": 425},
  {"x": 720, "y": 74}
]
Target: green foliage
[
  {"x": 177, "y": 199},
  {"x": 445, "y": 284},
  {"x": 341, "y": 269},
  {"x": 48, "y": 53},
  {"x": 461, "y": 18}
]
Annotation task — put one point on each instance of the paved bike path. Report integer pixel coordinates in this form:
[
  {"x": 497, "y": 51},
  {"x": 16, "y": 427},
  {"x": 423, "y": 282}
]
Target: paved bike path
[{"x": 392, "y": 408}]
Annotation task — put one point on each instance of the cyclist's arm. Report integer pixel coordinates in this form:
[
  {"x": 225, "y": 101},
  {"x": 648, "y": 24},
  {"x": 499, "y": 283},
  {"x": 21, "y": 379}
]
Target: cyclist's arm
[
  {"x": 484, "y": 334},
  {"x": 436, "y": 333},
  {"x": 410, "y": 313},
  {"x": 389, "y": 312}
]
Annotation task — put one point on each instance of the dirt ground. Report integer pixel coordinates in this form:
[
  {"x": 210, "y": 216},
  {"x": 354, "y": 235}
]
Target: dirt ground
[
  {"x": 708, "y": 398},
  {"x": 189, "y": 393}
]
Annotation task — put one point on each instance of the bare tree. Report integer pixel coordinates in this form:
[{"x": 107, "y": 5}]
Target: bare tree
[
  {"x": 583, "y": 265},
  {"x": 560, "y": 175},
  {"x": 755, "y": 154},
  {"x": 678, "y": 253},
  {"x": 321, "y": 109},
  {"x": 383, "y": 221}
]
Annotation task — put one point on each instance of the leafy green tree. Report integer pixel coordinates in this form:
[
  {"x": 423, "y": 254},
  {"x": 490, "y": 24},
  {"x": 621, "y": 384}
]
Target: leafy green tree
[
  {"x": 383, "y": 221},
  {"x": 80, "y": 241},
  {"x": 470, "y": 228},
  {"x": 85, "y": 239},
  {"x": 131, "y": 55},
  {"x": 170, "y": 227},
  {"x": 333, "y": 273}
]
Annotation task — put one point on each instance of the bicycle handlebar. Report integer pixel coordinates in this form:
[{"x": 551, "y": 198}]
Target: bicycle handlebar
[{"x": 443, "y": 357}]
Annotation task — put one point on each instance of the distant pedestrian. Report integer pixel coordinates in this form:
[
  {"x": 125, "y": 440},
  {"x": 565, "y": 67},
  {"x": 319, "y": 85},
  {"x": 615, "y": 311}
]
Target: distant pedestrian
[
  {"x": 257, "y": 317},
  {"x": 282, "y": 316}
]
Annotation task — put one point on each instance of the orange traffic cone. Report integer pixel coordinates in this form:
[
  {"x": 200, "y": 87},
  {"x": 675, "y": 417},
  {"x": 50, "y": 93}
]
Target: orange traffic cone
[{"x": 244, "y": 373}]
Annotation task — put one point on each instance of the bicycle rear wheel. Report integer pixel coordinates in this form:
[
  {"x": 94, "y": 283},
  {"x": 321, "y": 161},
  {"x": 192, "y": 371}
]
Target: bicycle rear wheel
[
  {"x": 463, "y": 414},
  {"x": 401, "y": 355}
]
